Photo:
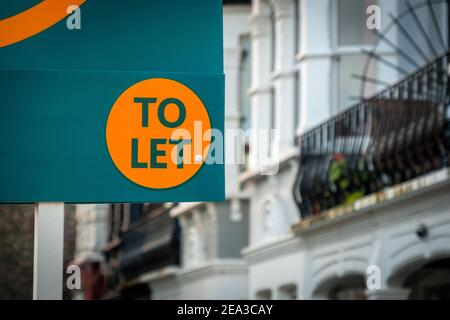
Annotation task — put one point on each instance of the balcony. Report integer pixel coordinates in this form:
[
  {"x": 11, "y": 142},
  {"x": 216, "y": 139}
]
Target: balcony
[{"x": 394, "y": 137}]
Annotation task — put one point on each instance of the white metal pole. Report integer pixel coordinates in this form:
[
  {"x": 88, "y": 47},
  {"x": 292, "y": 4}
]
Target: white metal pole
[{"x": 48, "y": 251}]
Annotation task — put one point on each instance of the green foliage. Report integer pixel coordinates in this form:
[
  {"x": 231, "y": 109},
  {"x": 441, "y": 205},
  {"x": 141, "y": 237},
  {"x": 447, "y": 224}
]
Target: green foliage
[{"x": 338, "y": 175}]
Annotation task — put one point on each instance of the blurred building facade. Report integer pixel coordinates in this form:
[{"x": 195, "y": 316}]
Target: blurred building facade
[
  {"x": 92, "y": 224},
  {"x": 351, "y": 201}
]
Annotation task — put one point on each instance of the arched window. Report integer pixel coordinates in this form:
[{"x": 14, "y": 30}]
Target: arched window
[
  {"x": 349, "y": 288},
  {"x": 431, "y": 282}
]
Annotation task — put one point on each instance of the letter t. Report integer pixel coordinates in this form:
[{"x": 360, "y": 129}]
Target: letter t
[{"x": 145, "y": 102}]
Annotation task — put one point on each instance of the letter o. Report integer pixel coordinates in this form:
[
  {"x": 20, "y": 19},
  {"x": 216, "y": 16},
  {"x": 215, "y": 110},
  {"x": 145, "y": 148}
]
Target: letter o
[{"x": 181, "y": 115}]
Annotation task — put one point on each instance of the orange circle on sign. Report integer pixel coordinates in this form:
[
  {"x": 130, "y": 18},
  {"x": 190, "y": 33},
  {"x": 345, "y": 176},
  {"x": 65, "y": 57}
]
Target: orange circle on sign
[{"x": 158, "y": 133}]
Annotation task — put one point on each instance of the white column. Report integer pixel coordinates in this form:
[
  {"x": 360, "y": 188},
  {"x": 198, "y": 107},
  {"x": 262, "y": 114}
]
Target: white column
[
  {"x": 316, "y": 74},
  {"x": 235, "y": 25},
  {"x": 184, "y": 224},
  {"x": 232, "y": 120},
  {"x": 261, "y": 82},
  {"x": 284, "y": 74},
  {"x": 48, "y": 251},
  {"x": 382, "y": 71}
]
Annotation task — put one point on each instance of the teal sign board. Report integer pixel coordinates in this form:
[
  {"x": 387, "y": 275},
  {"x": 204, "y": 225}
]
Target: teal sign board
[{"x": 117, "y": 101}]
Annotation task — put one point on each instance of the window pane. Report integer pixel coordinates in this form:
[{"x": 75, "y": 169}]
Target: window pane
[
  {"x": 244, "y": 97},
  {"x": 273, "y": 43},
  {"x": 349, "y": 87},
  {"x": 297, "y": 26},
  {"x": 244, "y": 82},
  {"x": 352, "y": 17}
]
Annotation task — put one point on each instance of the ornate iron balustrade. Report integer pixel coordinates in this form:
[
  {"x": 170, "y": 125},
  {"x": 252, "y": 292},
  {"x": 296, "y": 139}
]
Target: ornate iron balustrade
[{"x": 399, "y": 134}]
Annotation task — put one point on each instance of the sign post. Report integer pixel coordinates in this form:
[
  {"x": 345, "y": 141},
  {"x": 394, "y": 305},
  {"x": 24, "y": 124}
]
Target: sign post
[{"x": 48, "y": 251}]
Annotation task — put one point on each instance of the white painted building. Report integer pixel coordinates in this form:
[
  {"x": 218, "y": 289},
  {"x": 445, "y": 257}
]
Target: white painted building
[
  {"x": 291, "y": 65},
  {"x": 304, "y": 56}
]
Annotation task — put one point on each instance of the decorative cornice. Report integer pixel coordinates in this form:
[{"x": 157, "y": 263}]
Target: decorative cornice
[
  {"x": 283, "y": 8},
  {"x": 262, "y": 89},
  {"x": 192, "y": 206},
  {"x": 271, "y": 249},
  {"x": 283, "y": 74},
  {"x": 211, "y": 268},
  {"x": 166, "y": 272},
  {"x": 259, "y": 25},
  {"x": 332, "y": 54}
]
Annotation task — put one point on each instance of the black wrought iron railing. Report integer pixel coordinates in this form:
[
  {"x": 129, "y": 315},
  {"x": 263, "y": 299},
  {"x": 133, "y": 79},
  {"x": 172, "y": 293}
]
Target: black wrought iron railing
[{"x": 399, "y": 134}]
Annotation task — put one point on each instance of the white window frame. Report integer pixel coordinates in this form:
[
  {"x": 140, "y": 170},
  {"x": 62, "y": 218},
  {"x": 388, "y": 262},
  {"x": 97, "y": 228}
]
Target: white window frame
[{"x": 337, "y": 52}]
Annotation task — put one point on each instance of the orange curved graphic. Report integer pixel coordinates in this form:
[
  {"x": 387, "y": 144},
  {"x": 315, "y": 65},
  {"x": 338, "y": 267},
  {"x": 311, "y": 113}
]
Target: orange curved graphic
[{"x": 34, "y": 20}]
